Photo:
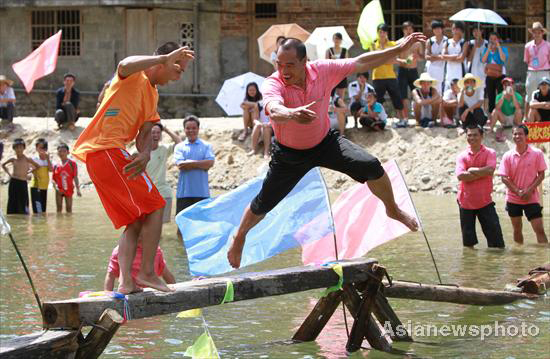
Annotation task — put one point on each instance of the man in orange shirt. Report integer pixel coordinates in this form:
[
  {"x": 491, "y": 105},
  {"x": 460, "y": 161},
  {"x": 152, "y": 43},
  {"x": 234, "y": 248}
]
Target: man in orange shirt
[{"x": 128, "y": 112}]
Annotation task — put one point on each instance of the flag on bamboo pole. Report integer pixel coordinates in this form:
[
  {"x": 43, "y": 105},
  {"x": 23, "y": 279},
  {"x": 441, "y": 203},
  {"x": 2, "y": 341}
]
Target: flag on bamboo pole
[
  {"x": 208, "y": 226},
  {"x": 361, "y": 222},
  {"x": 367, "y": 27},
  {"x": 39, "y": 63},
  {"x": 203, "y": 348}
]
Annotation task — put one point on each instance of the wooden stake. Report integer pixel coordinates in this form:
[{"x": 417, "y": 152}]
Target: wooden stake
[
  {"x": 365, "y": 325},
  {"x": 100, "y": 335},
  {"x": 385, "y": 314},
  {"x": 318, "y": 318}
]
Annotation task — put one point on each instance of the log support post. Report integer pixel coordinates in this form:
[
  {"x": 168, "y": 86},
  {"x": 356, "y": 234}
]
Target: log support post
[
  {"x": 318, "y": 318},
  {"x": 386, "y": 315},
  {"x": 364, "y": 325},
  {"x": 99, "y": 337}
]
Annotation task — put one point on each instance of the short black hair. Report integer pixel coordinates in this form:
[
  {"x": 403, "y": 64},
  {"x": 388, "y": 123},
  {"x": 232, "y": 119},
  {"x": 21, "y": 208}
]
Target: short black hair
[
  {"x": 191, "y": 118},
  {"x": 159, "y": 125},
  {"x": 338, "y": 35},
  {"x": 459, "y": 25},
  {"x": 494, "y": 33},
  {"x": 407, "y": 24},
  {"x": 42, "y": 141},
  {"x": 383, "y": 27},
  {"x": 18, "y": 142},
  {"x": 524, "y": 128},
  {"x": 63, "y": 145},
  {"x": 436, "y": 24},
  {"x": 475, "y": 127},
  {"x": 167, "y": 48},
  {"x": 69, "y": 74},
  {"x": 366, "y": 74},
  {"x": 292, "y": 43},
  {"x": 454, "y": 81}
]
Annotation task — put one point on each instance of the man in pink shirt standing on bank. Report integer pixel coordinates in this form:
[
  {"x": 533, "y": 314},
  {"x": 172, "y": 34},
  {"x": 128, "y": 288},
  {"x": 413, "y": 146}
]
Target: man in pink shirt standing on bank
[
  {"x": 296, "y": 98},
  {"x": 522, "y": 170},
  {"x": 474, "y": 168}
]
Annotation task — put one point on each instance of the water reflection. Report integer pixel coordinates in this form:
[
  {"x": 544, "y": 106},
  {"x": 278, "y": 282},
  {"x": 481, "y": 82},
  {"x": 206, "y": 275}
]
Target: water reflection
[{"x": 68, "y": 254}]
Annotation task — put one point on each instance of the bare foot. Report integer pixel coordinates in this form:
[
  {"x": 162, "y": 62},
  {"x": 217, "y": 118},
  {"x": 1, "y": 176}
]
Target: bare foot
[
  {"x": 235, "y": 252},
  {"x": 404, "y": 218},
  {"x": 129, "y": 289},
  {"x": 152, "y": 281},
  {"x": 251, "y": 153},
  {"x": 266, "y": 156}
]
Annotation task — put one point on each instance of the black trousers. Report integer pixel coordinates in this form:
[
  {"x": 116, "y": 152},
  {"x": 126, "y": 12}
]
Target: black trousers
[
  {"x": 184, "y": 202},
  {"x": 392, "y": 87},
  {"x": 476, "y": 118},
  {"x": 39, "y": 198},
  {"x": 490, "y": 225},
  {"x": 18, "y": 197},
  {"x": 288, "y": 166},
  {"x": 7, "y": 113},
  {"x": 493, "y": 86}
]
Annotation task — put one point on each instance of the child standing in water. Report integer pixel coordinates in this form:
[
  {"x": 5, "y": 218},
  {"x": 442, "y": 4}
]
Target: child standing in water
[
  {"x": 64, "y": 174},
  {"x": 41, "y": 177},
  {"x": 18, "y": 193}
]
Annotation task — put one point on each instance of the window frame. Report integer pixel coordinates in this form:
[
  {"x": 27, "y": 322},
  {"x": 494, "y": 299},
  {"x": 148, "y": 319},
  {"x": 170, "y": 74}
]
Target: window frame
[
  {"x": 395, "y": 28},
  {"x": 57, "y": 26}
]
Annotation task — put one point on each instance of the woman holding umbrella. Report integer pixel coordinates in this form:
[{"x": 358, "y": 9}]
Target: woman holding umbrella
[{"x": 494, "y": 58}]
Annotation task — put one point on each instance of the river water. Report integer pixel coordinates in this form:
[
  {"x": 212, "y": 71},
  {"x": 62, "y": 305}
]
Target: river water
[{"x": 68, "y": 254}]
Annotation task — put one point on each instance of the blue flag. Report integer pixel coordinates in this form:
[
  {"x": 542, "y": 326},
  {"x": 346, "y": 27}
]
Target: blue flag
[{"x": 207, "y": 226}]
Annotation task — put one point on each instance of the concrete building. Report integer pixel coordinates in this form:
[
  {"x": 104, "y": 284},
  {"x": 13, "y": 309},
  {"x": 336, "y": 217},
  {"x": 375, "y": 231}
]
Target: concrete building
[{"x": 97, "y": 34}]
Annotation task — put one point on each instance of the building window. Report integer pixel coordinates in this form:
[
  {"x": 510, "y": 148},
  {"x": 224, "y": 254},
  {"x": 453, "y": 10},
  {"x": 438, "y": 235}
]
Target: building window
[
  {"x": 512, "y": 11},
  {"x": 45, "y": 23},
  {"x": 396, "y": 12},
  {"x": 265, "y": 10},
  {"x": 187, "y": 35}
]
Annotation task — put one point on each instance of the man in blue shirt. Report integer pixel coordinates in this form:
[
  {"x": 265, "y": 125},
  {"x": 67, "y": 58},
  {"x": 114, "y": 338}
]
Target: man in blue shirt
[{"x": 194, "y": 158}]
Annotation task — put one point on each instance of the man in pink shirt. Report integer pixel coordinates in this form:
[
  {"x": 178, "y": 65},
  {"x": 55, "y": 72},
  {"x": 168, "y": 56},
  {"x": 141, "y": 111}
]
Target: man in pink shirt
[
  {"x": 537, "y": 57},
  {"x": 522, "y": 170},
  {"x": 474, "y": 169},
  {"x": 296, "y": 98}
]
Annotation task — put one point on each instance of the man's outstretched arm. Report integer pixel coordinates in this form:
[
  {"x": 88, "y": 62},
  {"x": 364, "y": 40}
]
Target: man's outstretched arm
[{"x": 373, "y": 59}]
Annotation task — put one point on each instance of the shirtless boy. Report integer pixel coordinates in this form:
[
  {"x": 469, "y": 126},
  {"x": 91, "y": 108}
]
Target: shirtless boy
[
  {"x": 127, "y": 113},
  {"x": 18, "y": 193}
]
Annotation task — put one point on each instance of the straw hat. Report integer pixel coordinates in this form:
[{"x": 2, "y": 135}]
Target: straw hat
[
  {"x": 470, "y": 77},
  {"x": 537, "y": 26},
  {"x": 6, "y": 80},
  {"x": 425, "y": 77}
]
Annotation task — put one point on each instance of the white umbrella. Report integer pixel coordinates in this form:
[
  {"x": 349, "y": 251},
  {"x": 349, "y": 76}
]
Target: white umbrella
[
  {"x": 233, "y": 90},
  {"x": 485, "y": 16},
  {"x": 320, "y": 41}
]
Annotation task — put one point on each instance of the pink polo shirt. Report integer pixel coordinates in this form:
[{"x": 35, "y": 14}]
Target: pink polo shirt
[
  {"x": 475, "y": 194},
  {"x": 114, "y": 266},
  {"x": 541, "y": 52},
  {"x": 321, "y": 77},
  {"x": 522, "y": 169}
]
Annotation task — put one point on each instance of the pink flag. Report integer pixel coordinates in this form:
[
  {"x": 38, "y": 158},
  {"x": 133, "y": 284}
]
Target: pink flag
[
  {"x": 361, "y": 222},
  {"x": 39, "y": 63}
]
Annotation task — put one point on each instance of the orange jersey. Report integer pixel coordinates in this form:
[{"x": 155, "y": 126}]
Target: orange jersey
[{"x": 128, "y": 103}]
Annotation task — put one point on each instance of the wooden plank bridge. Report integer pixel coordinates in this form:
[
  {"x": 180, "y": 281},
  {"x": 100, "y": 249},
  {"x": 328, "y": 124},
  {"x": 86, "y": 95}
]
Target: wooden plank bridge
[{"x": 363, "y": 292}]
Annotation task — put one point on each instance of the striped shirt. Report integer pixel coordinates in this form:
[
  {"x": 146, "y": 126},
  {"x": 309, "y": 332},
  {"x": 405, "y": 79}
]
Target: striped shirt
[{"x": 321, "y": 77}]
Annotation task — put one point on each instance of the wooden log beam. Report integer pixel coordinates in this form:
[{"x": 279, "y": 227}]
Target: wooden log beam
[
  {"x": 365, "y": 326},
  {"x": 99, "y": 337},
  {"x": 537, "y": 282},
  {"x": 451, "y": 294},
  {"x": 203, "y": 293},
  {"x": 374, "y": 334},
  {"x": 47, "y": 344},
  {"x": 318, "y": 318}
]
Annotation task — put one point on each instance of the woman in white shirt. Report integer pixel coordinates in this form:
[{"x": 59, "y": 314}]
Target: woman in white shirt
[{"x": 470, "y": 100}]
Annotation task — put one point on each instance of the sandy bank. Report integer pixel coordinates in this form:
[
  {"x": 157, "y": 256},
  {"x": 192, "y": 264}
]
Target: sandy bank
[{"x": 426, "y": 156}]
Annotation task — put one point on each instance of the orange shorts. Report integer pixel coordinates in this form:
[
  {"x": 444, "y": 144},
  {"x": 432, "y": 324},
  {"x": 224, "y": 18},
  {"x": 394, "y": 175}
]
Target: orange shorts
[{"x": 125, "y": 201}]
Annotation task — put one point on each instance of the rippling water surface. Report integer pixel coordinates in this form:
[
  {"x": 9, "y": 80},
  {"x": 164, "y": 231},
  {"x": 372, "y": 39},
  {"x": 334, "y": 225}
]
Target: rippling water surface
[{"x": 69, "y": 253}]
